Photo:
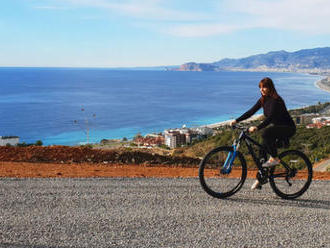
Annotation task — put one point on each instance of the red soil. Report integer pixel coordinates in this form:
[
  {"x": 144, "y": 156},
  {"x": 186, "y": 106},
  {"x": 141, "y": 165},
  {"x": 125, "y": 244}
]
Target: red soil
[
  {"x": 62, "y": 161},
  {"x": 33, "y": 170}
]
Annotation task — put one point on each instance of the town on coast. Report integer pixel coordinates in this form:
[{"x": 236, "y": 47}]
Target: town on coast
[{"x": 177, "y": 137}]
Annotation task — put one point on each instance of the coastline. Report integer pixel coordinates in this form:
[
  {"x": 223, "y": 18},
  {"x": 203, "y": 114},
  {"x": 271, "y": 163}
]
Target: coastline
[
  {"x": 323, "y": 84},
  {"x": 227, "y": 122},
  {"x": 76, "y": 137}
]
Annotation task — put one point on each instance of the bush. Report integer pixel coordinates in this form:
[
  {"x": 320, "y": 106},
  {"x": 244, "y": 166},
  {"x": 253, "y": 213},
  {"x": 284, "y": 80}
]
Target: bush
[
  {"x": 38, "y": 143},
  {"x": 23, "y": 144},
  {"x": 164, "y": 147}
]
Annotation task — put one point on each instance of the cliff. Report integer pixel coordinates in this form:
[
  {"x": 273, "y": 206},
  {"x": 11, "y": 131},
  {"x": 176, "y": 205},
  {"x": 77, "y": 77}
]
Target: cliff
[{"x": 192, "y": 66}]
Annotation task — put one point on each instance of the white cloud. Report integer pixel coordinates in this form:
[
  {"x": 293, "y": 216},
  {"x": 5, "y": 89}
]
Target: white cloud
[
  {"x": 50, "y": 8},
  {"x": 309, "y": 16},
  {"x": 201, "y": 30},
  {"x": 303, "y": 15},
  {"x": 143, "y": 9}
]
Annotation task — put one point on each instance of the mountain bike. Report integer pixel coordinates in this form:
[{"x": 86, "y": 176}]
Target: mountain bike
[{"x": 223, "y": 170}]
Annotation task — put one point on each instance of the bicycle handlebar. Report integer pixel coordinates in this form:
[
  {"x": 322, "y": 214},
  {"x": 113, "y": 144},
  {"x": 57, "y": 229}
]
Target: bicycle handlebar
[{"x": 240, "y": 127}]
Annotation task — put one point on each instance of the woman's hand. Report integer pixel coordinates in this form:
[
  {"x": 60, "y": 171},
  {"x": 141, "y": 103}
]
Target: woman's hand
[
  {"x": 233, "y": 122},
  {"x": 252, "y": 129}
]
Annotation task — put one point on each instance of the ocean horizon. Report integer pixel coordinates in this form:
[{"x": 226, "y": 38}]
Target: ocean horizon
[{"x": 55, "y": 104}]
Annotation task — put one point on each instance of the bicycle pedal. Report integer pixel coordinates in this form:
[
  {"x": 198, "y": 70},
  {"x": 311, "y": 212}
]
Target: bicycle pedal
[{"x": 262, "y": 179}]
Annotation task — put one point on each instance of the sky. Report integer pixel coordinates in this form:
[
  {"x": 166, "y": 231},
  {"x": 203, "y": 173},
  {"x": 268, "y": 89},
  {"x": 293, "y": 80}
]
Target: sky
[{"x": 137, "y": 33}]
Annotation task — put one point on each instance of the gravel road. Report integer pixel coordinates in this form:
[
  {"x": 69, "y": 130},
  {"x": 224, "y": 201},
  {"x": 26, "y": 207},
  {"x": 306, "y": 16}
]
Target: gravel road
[{"x": 107, "y": 212}]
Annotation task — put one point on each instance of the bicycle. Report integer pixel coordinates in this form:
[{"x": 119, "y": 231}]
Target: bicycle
[{"x": 223, "y": 170}]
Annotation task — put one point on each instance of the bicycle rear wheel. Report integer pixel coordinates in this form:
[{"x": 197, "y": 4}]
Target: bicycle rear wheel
[
  {"x": 218, "y": 182},
  {"x": 293, "y": 182}
]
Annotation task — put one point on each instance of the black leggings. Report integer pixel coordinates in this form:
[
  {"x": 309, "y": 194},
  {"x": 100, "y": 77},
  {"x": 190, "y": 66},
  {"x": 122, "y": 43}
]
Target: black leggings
[{"x": 276, "y": 132}]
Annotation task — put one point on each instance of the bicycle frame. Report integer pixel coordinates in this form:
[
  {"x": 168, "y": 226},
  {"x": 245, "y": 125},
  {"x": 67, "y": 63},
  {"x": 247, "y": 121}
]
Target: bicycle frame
[{"x": 248, "y": 140}]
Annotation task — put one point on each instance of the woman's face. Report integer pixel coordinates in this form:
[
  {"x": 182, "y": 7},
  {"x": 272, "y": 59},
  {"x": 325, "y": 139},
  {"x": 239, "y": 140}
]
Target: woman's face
[{"x": 264, "y": 91}]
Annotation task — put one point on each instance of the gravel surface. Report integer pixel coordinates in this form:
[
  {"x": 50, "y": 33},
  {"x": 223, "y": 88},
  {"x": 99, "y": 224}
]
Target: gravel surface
[{"x": 107, "y": 212}]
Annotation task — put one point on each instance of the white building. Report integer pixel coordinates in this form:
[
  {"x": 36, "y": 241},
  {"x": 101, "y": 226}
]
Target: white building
[
  {"x": 306, "y": 118},
  {"x": 205, "y": 131},
  {"x": 182, "y": 136},
  {"x": 174, "y": 138},
  {"x": 320, "y": 119},
  {"x": 11, "y": 140}
]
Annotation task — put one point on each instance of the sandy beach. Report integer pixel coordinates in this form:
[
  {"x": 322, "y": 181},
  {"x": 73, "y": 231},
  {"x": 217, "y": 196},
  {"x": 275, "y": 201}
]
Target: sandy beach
[
  {"x": 324, "y": 84},
  {"x": 226, "y": 123}
]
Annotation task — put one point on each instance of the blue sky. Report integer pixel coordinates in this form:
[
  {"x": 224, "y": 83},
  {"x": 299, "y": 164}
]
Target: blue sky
[{"x": 129, "y": 33}]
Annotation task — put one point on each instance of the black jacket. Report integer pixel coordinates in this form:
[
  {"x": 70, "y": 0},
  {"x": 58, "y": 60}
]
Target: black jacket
[{"x": 274, "y": 110}]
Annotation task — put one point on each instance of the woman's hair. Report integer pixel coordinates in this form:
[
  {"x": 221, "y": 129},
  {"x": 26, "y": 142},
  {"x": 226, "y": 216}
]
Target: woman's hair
[{"x": 268, "y": 83}]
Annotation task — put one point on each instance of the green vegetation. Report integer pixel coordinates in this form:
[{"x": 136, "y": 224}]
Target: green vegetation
[
  {"x": 311, "y": 109},
  {"x": 37, "y": 143},
  {"x": 315, "y": 143}
]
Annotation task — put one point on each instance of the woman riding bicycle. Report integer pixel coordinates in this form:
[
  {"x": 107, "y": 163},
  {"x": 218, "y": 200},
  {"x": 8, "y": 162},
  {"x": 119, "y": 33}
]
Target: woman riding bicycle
[{"x": 277, "y": 114}]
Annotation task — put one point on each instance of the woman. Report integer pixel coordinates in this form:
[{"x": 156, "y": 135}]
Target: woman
[{"x": 276, "y": 114}]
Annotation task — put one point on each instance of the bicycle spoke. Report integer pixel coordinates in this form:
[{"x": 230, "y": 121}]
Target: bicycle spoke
[
  {"x": 218, "y": 176},
  {"x": 293, "y": 176}
]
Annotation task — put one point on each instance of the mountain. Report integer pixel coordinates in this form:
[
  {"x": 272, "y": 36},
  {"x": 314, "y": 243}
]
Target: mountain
[{"x": 317, "y": 59}]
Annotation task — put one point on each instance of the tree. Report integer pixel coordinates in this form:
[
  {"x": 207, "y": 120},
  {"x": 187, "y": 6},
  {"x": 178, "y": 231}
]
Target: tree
[{"x": 38, "y": 143}]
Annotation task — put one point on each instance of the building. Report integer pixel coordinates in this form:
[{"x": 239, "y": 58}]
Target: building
[
  {"x": 320, "y": 119},
  {"x": 174, "y": 138},
  {"x": 305, "y": 118},
  {"x": 9, "y": 140},
  {"x": 320, "y": 122},
  {"x": 150, "y": 140},
  {"x": 182, "y": 136},
  {"x": 203, "y": 131}
]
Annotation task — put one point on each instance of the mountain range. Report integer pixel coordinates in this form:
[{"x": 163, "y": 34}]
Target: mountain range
[{"x": 311, "y": 60}]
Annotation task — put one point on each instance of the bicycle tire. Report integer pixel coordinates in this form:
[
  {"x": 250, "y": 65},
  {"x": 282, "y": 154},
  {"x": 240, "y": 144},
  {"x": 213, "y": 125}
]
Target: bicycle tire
[
  {"x": 211, "y": 177},
  {"x": 300, "y": 178}
]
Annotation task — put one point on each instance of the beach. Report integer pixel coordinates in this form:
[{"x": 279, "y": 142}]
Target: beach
[
  {"x": 227, "y": 122},
  {"x": 324, "y": 84}
]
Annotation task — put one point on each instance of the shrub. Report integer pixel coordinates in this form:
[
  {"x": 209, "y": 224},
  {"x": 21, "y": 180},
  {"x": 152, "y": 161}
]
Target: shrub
[{"x": 38, "y": 143}]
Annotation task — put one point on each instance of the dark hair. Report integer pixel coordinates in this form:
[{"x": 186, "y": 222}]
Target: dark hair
[{"x": 268, "y": 83}]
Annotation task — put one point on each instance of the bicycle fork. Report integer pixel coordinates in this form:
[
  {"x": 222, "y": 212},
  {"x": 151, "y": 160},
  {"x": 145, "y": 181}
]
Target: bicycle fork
[{"x": 227, "y": 166}]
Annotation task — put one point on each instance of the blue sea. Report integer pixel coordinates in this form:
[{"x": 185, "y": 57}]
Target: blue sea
[{"x": 58, "y": 105}]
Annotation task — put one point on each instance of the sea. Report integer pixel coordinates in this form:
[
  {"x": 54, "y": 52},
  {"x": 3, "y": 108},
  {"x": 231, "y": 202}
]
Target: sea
[{"x": 72, "y": 106}]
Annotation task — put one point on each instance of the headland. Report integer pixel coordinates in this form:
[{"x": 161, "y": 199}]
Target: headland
[{"x": 324, "y": 84}]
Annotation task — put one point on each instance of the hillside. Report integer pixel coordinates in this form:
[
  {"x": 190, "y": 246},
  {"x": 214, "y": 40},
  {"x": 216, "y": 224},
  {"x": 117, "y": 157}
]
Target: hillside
[
  {"x": 315, "y": 143},
  {"x": 317, "y": 59}
]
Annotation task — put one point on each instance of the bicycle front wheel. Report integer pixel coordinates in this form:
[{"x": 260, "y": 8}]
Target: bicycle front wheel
[
  {"x": 217, "y": 180},
  {"x": 292, "y": 177}
]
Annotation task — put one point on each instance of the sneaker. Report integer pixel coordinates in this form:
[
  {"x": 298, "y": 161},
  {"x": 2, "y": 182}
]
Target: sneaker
[
  {"x": 269, "y": 164},
  {"x": 256, "y": 185}
]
